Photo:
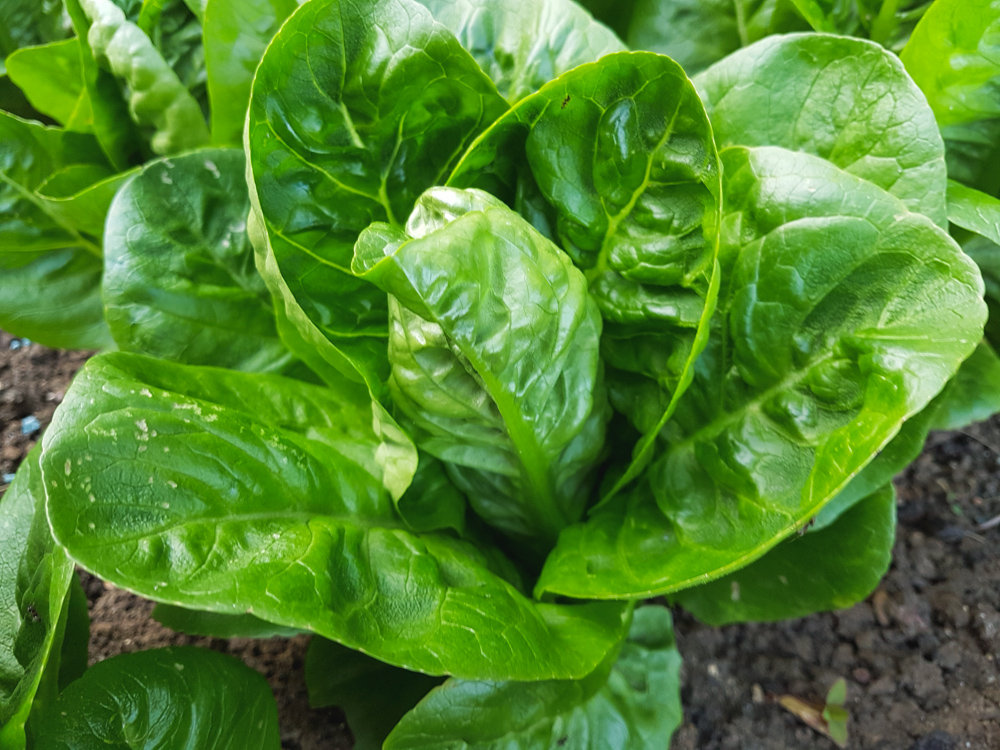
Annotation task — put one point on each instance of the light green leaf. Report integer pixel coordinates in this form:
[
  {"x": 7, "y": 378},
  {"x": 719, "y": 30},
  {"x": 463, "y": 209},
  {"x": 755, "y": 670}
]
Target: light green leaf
[
  {"x": 973, "y": 394},
  {"x": 524, "y": 44},
  {"x": 973, "y": 210},
  {"x": 631, "y": 702},
  {"x": 620, "y": 162},
  {"x": 236, "y": 34},
  {"x": 51, "y": 76},
  {"x": 823, "y": 570},
  {"x": 373, "y": 696},
  {"x": 180, "y": 281},
  {"x": 35, "y": 580},
  {"x": 822, "y": 352},
  {"x": 80, "y": 196},
  {"x": 171, "y": 697},
  {"x": 215, "y": 625},
  {"x": 520, "y": 440},
  {"x": 357, "y": 108},
  {"x": 255, "y": 494},
  {"x": 846, "y": 100}
]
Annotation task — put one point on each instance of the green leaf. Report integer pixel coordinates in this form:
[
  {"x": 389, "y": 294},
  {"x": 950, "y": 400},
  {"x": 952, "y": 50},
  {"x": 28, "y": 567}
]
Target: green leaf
[
  {"x": 31, "y": 22},
  {"x": 974, "y": 211},
  {"x": 35, "y": 580},
  {"x": 51, "y": 76},
  {"x": 524, "y": 44},
  {"x": 255, "y": 494},
  {"x": 432, "y": 502},
  {"x": 973, "y": 394},
  {"x": 519, "y": 440},
  {"x": 822, "y": 352},
  {"x": 373, "y": 696},
  {"x": 620, "y": 159},
  {"x": 357, "y": 108},
  {"x": 697, "y": 33},
  {"x": 846, "y": 100},
  {"x": 631, "y": 702},
  {"x": 236, "y": 34},
  {"x": 80, "y": 197},
  {"x": 171, "y": 697},
  {"x": 157, "y": 98},
  {"x": 215, "y": 625},
  {"x": 823, "y": 570},
  {"x": 180, "y": 281}
]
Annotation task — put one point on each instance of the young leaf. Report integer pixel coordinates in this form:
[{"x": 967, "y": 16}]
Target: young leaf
[
  {"x": 619, "y": 161},
  {"x": 180, "y": 281},
  {"x": 819, "y": 571},
  {"x": 499, "y": 368},
  {"x": 35, "y": 578},
  {"x": 357, "y": 108},
  {"x": 216, "y": 625},
  {"x": 524, "y": 44},
  {"x": 846, "y": 100},
  {"x": 822, "y": 352},
  {"x": 373, "y": 696},
  {"x": 171, "y": 697},
  {"x": 51, "y": 76},
  {"x": 236, "y": 34},
  {"x": 631, "y": 701},
  {"x": 255, "y": 494}
]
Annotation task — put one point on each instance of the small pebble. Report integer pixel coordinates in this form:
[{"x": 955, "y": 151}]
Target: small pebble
[
  {"x": 29, "y": 425},
  {"x": 8, "y": 478},
  {"x": 16, "y": 344}
]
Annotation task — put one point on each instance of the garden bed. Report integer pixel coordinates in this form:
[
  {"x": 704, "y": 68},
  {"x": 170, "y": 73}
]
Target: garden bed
[{"x": 920, "y": 656}]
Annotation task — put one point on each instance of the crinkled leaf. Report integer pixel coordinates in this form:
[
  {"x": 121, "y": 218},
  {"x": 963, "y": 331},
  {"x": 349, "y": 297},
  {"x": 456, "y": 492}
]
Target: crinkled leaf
[
  {"x": 180, "y": 281},
  {"x": 823, "y": 570},
  {"x": 357, "y": 108},
  {"x": 845, "y": 315},
  {"x": 236, "y": 34},
  {"x": 373, "y": 696},
  {"x": 35, "y": 580},
  {"x": 51, "y": 76},
  {"x": 171, "y": 697},
  {"x": 616, "y": 160},
  {"x": 524, "y": 44},
  {"x": 846, "y": 100},
  {"x": 256, "y": 494},
  {"x": 494, "y": 350},
  {"x": 631, "y": 702},
  {"x": 216, "y": 625}
]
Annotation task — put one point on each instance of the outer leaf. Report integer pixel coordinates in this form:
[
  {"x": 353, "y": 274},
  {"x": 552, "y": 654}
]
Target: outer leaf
[
  {"x": 974, "y": 394},
  {"x": 236, "y": 34},
  {"x": 215, "y": 625},
  {"x": 157, "y": 98},
  {"x": 357, "y": 108},
  {"x": 374, "y": 696},
  {"x": 51, "y": 76},
  {"x": 171, "y": 697},
  {"x": 632, "y": 702},
  {"x": 180, "y": 281},
  {"x": 34, "y": 586},
  {"x": 974, "y": 210},
  {"x": 846, "y": 100},
  {"x": 255, "y": 494},
  {"x": 499, "y": 368},
  {"x": 30, "y": 22},
  {"x": 823, "y": 570},
  {"x": 954, "y": 56},
  {"x": 620, "y": 162},
  {"x": 76, "y": 199},
  {"x": 823, "y": 353},
  {"x": 524, "y": 44}
]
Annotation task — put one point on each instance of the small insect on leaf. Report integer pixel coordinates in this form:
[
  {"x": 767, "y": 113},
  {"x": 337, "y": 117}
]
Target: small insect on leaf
[
  {"x": 565, "y": 101},
  {"x": 33, "y": 613}
]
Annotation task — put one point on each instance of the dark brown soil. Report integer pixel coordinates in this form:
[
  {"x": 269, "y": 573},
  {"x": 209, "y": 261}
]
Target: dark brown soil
[{"x": 920, "y": 655}]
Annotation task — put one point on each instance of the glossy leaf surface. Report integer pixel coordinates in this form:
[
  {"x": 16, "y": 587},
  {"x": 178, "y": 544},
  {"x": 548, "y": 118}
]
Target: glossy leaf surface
[
  {"x": 819, "y": 571},
  {"x": 357, "y": 108},
  {"x": 238, "y": 494},
  {"x": 825, "y": 349},
  {"x": 616, "y": 162},
  {"x": 171, "y": 697},
  {"x": 632, "y": 702},
  {"x": 494, "y": 350},
  {"x": 34, "y": 587},
  {"x": 846, "y": 100},
  {"x": 373, "y": 696},
  {"x": 51, "y": 76},
  {"x": 180, "y": 281},
  {"x": 524, "y": 44}
]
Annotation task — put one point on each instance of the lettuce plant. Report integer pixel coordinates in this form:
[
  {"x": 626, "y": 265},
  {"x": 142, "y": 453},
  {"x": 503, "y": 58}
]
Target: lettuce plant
[{"x": 492, "y": 331}]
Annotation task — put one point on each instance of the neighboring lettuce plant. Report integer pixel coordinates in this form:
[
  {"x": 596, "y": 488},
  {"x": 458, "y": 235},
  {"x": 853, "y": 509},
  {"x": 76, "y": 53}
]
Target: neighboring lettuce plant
[{"x": 492, "y": 331}]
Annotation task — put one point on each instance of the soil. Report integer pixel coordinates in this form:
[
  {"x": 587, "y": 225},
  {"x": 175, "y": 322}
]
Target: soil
[{"x": 920, "y": 655}]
